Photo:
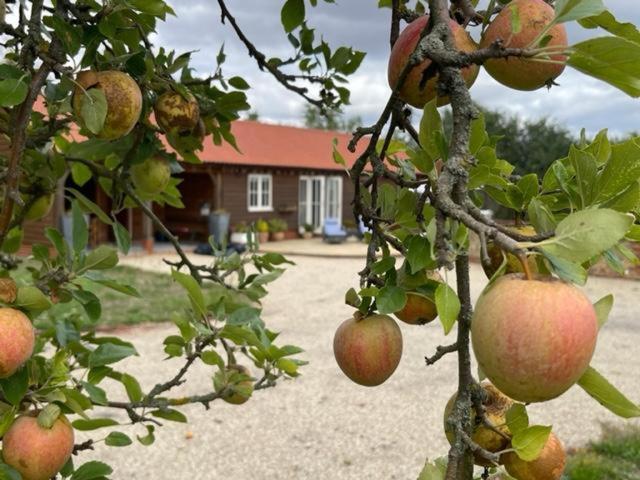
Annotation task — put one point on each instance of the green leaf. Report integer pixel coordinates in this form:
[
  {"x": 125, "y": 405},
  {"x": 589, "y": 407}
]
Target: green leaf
[
  {"x": 211, "y": 357},
  {"x": 610, "y": 59},
  {"x": 540, "y": 216},
  {"x": 585, "y": 234},
  {"x": 94, "y": 109},
  {"x": 171, "y": 415},
  {"x": 607, "y": 21},
  {"x": 117, "y": 439},
  {"x": 517, "y": 418},
  {"x": 586, "y": 168},
  {"x": 31, "y": 298},
  {"x": 418, "y": 253},
  {"x": 390, "y": 299},
  {"x": 15, "y": 387},
  {"x": 568, "y": 271},
  {"x": 603, "y": 308},
  {"x": 80, "y": 173},
  {"x": 528, "y": 187},
  {"x": 92, "y": 471},
  {"x": 8, "y": 473},
  {"x": 383, "y": 265},
  {"x": 239, "y": 83},
  {"x": 448, "y": 306},
  {"x": 80, "y": 232},
  {"x": 351, "y": 298},
  {"x": 123, "y": 238},
  {"x": 110, "y": 353},
  {"x": 90, "y": 206},
  {"x": 149, "y": 438},
  {"x": 13, "y": 91},
  {"x": 93, "y": 424},
  {"x": 48, "y": 416},
  {"x": 96, "y": 394},
  {"x": 478, "y": 134},
  {"x": 132, "y": 387},
  {"x": 568, "y": 10},
  {"x": 431, "y": 130},
  {"x": 607, "y": 395},
  {"x": 292, "y": 14},
  {"x": 194, "y": 291},
  {"x": 528, "y": 443},
  {"x": 101, "y": 258},
  {"x": 622, "y": 169}
]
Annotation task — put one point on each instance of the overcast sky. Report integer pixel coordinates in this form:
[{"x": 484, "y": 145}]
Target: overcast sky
[{"x": 579, "y": 101}]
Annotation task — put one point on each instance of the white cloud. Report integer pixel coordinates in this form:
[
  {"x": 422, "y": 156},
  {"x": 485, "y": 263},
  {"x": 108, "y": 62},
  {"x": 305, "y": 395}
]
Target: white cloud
[{"x": 579, "y": 102}]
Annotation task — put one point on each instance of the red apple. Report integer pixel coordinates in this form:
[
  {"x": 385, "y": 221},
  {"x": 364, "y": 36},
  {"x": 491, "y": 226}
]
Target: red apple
[
  {"x": 37, "y": 453},
  {"x": 520, "y": 73},
  {"x": 17, "y": 337},
  {"x": 368, "y": 349},
  {"x": 548, "y": 466},
  {"x": 533, "y": 338},
  {"x": 402, "y": 50}
]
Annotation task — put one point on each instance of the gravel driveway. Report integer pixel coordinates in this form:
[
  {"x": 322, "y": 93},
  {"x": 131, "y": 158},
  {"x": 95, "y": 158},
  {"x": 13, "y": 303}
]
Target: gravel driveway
[{"x": 322, "y": 426}]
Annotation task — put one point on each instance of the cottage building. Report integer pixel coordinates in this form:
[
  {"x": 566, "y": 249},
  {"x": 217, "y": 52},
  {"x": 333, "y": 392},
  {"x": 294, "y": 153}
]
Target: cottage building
[{"x": 279, "y": 171}]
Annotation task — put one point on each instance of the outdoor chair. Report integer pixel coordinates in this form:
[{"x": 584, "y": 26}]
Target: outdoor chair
[{"x": 333, "y": 232}]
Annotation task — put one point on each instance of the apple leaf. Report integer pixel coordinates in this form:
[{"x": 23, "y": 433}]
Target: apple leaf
[
  {"x": 390, "y": 299},
  {"x": 603, "y": 308},
  {"x": 352, "y": 298},
  {"x": 94, "y": 109},
  {"x": 8, "y": 473},
  {"x": 92, "y": 470},
  {"x": 567, "y": 271},
  {"x": 193, "y": 290},
  {"x": 292, "y": 14},
  {"x": 13, "y": 91},
  {"x": 607, "y": 395},
  {"x": 529, "y": 442},
  {"x": 585, "y": 234},
  {"x": 117, "y": 439},
  {"x": 568, "y": 10},
  {"x": 418, "y": 253},
  {"x": 608, "y": 22},
  {"x": 448, "y": 306},
  {"x": 48, "y": 416},
  {"x": 93, "y": 424},
  {"x": 517, "y": 418},
  {"x": 431, "y": 472},
  {"x": 430, "y": 129},
  {"x": 610, "y": 59}
]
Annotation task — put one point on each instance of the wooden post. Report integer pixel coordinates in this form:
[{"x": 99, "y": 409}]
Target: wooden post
[{"x": 147, "y": 231}]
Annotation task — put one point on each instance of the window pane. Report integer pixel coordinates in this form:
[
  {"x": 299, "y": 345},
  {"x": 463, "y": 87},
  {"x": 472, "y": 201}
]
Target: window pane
[
  {"x": 266, "y": 187},
  {"x": 253, "y": 192}
]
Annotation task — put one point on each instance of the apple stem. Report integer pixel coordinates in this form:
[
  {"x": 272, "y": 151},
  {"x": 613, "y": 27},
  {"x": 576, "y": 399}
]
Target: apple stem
[{"x": 525, "y": 266}]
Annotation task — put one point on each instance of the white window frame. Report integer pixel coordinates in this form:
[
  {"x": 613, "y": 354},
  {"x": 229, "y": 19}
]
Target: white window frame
[
  {"x": 338, "y": 180},
  {"x": 259, "y": 178}
]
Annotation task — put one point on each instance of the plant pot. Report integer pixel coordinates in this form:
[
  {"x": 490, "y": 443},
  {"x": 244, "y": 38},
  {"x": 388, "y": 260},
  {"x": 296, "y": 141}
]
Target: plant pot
[
  {"x": 307, "y": 235},
  {"x": 219, "y": 226},
  {"x": 277, "y": 236},
  {"x": 263, "y": 237},
  {"x": 239, "y": 237}
]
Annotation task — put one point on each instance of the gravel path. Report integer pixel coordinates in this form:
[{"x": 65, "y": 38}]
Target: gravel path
[{"x": 322, "y": 426}]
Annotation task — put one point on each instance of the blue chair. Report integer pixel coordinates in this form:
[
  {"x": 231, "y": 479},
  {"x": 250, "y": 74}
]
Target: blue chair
[
  {"x": 332, "y": 231},
  {"x": 362, "y": 229}
]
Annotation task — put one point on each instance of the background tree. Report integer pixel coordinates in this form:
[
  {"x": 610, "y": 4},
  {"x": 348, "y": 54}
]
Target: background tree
[
  {"x": 329, "y": 120},
  {"x": 530, "y": 145}
]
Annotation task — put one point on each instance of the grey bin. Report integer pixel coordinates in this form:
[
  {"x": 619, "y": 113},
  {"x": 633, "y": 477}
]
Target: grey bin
[{"x": 219, "y": 226}]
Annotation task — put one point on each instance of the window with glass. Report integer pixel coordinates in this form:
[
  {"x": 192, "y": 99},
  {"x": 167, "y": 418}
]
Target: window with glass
[{"x": 259, "y": 192}]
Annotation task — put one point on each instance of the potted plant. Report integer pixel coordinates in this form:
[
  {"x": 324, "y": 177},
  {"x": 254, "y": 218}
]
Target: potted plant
[
  {"x": 240, "y": 233},
  {"x": 307, "y": 231},
  {"x": 277, "y": 227},
  {"x": 262, "y": 227}
]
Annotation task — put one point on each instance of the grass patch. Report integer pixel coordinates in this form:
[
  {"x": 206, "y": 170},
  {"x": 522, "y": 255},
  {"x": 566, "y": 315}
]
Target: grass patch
[
  {"x": 160, "y": 298},
  {"x": 615, "y": 456}
]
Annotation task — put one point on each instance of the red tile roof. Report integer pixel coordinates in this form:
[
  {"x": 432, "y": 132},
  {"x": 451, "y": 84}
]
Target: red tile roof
[
  {"x": 267, "y": 145},
  {"x": 263, "y": 144}
]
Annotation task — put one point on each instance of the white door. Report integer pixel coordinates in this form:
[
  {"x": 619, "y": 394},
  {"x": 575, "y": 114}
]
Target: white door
[
  {"x": 334, "y": 197},
  {"x": 311, "y": 202}
]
